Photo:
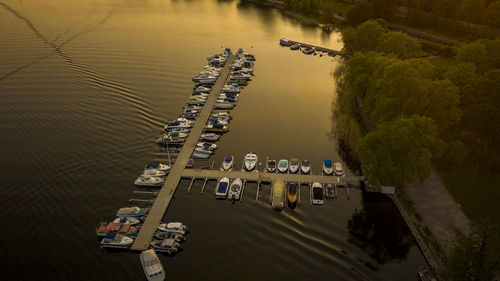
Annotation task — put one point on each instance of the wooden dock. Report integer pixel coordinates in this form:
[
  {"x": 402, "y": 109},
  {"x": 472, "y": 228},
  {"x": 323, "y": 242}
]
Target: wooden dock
[
  {"x": 330, "y": 52},
  {"x": 170, "y": 185},
  {"x": 266, "y": 177}
]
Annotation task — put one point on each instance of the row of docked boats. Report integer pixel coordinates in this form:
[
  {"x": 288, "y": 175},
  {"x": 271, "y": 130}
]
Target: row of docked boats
[
  {"x": 120, "y": 231},
  {"x": 305, "y": 48},
  {"x": 227, "y": 189}
]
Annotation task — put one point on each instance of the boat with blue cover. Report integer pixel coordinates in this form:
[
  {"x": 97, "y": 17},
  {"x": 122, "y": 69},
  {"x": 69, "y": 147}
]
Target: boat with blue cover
[
  {"x": 222, "y": 188},
  {"x": 327, "y": 166},
  {"x": 228, "y": 162}
]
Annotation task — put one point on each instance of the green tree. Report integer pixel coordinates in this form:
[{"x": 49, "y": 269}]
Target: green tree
[
  {"x": 400, "y": 44},
  {"x": 363, "y": 38},
  {"x": 492, "y": 14},
  {"x": 384, "y": 9},
  {"x": 477, "y": 256},
  {"x": 471, "y": 11},
  {"x": 397, "y": 151},
  {"x": 445, "y": 8},
  {"x": 474, "y": 53}
]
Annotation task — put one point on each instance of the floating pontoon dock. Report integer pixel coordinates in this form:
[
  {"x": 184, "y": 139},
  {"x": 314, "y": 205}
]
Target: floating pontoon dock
[{"x": 330, "y": 52}]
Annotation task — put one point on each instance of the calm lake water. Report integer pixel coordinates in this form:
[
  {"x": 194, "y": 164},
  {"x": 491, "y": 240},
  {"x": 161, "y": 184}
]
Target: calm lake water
[{"x": 86, "y": 87}]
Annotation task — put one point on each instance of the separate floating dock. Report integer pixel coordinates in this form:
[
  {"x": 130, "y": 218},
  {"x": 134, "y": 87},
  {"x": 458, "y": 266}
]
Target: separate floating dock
[
  {"x": 170, "y": 185},
  {"x": 331, "y": 52}
]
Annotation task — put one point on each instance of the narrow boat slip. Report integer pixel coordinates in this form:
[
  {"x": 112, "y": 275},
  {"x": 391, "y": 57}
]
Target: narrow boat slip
[{"x": 160, "y": 206}]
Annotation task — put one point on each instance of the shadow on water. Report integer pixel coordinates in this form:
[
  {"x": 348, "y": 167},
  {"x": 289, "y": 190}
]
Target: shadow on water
[{"x": 379, "y": 230}]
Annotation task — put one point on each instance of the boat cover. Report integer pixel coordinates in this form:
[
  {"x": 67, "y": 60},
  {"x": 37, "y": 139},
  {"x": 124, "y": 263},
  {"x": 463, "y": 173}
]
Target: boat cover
[
  {"x": 228, "y": 159},
  {"x": 129, "y": 210},
  {"x": 292, "y": 188},
  {"x": 110, "y": 235},
  {"x": 222, "y": 187},
  {"x": 327, "y": 163}
]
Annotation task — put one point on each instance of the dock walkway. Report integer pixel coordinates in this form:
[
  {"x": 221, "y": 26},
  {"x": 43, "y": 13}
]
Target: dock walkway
[
  {"x": 318, "y": 48},
  {"x": 170, "y": 185}
]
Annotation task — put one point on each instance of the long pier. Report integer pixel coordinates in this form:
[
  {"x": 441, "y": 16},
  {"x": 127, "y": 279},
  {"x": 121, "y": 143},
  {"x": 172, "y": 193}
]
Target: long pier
[
  {"x": 330, "y": 52},
  {"x": 265, "y": 177},
  {"x": 171, "y": 183}
]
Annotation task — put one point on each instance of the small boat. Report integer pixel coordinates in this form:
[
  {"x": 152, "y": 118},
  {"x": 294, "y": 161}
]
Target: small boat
[
  {"x": 202, "y": 89},
  {"x": 216, "y": 128},
  {"x": 208, "y": 145},
  {"x": 283, "y": 166},
  {"x": 278, "y": 195},
  {"x": 115, "y": 227},
  {"x": 292, "y": 193},
  {"x": 271, "y": 166},
  {"x": 222, "y": 187},
  {"x": 116, "y": 240},
  {"x": 184, "y": 120},
  {"x": 169, "y": 246},
  {"x": 251, "y": 161},
  {"x": 308, "y": 50},
  {"x": 339, "y": 171},
  {"x": 196, "y": 100},
  {"x": 131, "y": 212},
  {"x": 223, "y": 106},
  {"x": 209, "y": 137},
  {"x": 223, "y": 115},
  {"x": 157, "y": 166},
  {"x": 205, "y": 150},
  {"x": 305, "y": 167},
  {"x": 228, "y": 162},
  {"x": 235, "y": 189},
  {"x": 176, "y": 124},
  {"x": 330, "y": 191},
  {"x": 327, "y": 166},
  {"x": 218, "y": 121},
  {"x": 177, "y": 129},
  {"x": 294, "y": 165},
  {"x": 295, "y": 47},
  {"x": 190, "y": 163},
  {"x": 175, "y": 227},
  {"x": 152, "y": 266},
  {"x": 167, "y": 139},
  {"x": 144, "y": 180},
  {"x": 200, "y": 155},
  {"x": 231, "y": 89},
  {"x": 240, "y": 76},
  {"x": 153, "y": 173},
  {"x": 127, "y": 220},
  {"x": 285, "y": 42},
  {"x": 317, "y": 193},
  {"x": 169, "y": 235}
]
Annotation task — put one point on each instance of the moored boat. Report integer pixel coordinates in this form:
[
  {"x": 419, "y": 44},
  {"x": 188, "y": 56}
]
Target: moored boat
[
  {"x": 127, "y": 220},
  {"x": 145, "y": 180},
  {"x": 158, "y": 166},
  {"x": 292, "y": 193},
  {"x": 294, "y": 165},
  {"x": 331, "y": 191},
  {"x": 327, "y": 166},
  {"x": 175, "y": 227},
  {"x": 228, "y": 162},
  {"x": 169, "y": 246},
  {"x": 151, "y": 266},
  {"x": 209, "y": 137},
  {"x": 271, "y": 166},
  {"x": 235, "y": 189},
  {"x": 131, "y": 212},
  {"x": 339, "y": 171},
  {"x": 169, "y": 235},
  {"x": 115, "y": 227},
  {"x": 278, "y": 201},
  {"x": 305, "y": 167},
  {"x": 283, "y": 166},
  {"x": 222, "y": 188},
  {"x": 251, "y": 159},
  {"x": 154, "y": 173},
  {"x": 216, "y": 128},
  {"x": 116, "y": 240},
  {"x": 317, "y": 193}
]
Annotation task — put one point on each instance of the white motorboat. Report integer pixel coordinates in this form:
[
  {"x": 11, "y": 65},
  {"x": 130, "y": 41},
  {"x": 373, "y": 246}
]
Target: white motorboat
[
  {"x": 207, "y": 145},
  {"x": 305, "y": 167},
  {"x": 222, "y": 122},
  {"x": 116, "y": 240},
  {"x": 231, "y": 89},
  {"x": 235, "y": 189},
  {"x": 178, "y": 135},
  {"x": 178, "y": 125},
  {"x": 294, "y": 165},
  {"x": 144, "y": 180},
  {"x": 195, "y": 100},
  {"x": 216, "y": 128},
  {"x": 175, "y": 227},
  {"x": 251, "y": 161},
  {"x": 154, "y": 173},
  {"x": 169, "y": 235},
  {"x": 202, "y": 89},
  {"x": 283, "y": 166},
  {"x": 224, "y": 105},
  {"x": 127, "y": 220},
  {"x": 184, "y": 120},
  {"x": 271, "y": 166},
  {"x": 169, "y": 246},
  {"x": 168, "y": 139},
  {"x": 151, "y": 266},
  {"x": 327, "y": 166},
  {"x": 200, "y": 155},
  {"x": 228, "y": 162},
  {"x": 240, "y": 76},
  {"x": 205, "y": 150},
  {"x": 317, "y": 193},
  {"x": 222, "y": 188},
  {"x": 179, "y": 130},
  {"x": 339, "y": 171},
  {"x": 209, "y": 137},
  {"x": 158, "y": 166},
  {"x": 222, "y": 115},
  {"x": 205, "y": 79}
]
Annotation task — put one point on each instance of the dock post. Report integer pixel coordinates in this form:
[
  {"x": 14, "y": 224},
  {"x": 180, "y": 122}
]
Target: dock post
[
  {"x": 310, "y": 195},
  {"x": 271, "y": 193},
  {"x": 145, "y": 193},
  {"x": 348, "y": 192},
  {"x": 298, "y": 203},
  {"x": 190, "y": 185},
  {"x": 258, "y": 189},
  {"x": 242, "y": 190}
]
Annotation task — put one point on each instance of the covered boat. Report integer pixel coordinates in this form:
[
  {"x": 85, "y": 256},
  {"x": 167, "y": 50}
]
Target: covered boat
[
  {"x": 127, "y": 220},
  {"x": 327, "y": 166},
  {"x": 175, "y": 227},
  {"x": 115, "y": 227},
  {"x": 209, "y": 137},
  {"x": 251, "y": 159},
  {"x": 131, "y": 212},
  {"x": 292, "y": 193},
  {"x": 154, "y": 173},
  {"x": 294, "y": 165},
  {"x": 228, "y": 162},
  {"x": 157, "y": 166},
  {"x": 317, "y": 193},
  {"x": 221, "y": 189},
  {"x": 152, "y": 266},
  {"x": 271, "y": 166},
  {"x": 235, "y": 189},
  {"x": 116, "y": 240},
  {"x": 305, "y": 167},
  {"x": 278, "y": 195},
  {"x": 283, "y": 166}
]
